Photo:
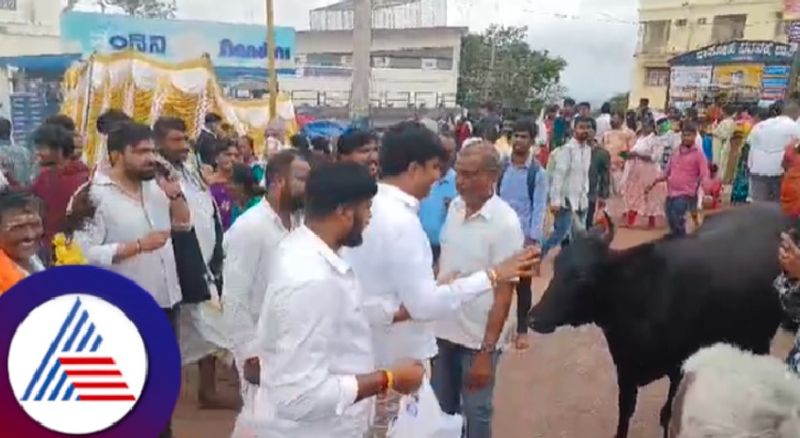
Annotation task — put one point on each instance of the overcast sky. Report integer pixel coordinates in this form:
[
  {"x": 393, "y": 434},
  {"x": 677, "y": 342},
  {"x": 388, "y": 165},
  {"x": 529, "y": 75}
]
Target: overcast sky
[{"x": 596, "y": 37}]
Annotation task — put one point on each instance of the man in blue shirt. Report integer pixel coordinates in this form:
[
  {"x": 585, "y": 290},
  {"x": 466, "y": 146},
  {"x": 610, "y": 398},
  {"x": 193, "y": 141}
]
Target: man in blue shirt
[
  {"x": 524, "y": 186},
  {"x": 433, "y": 209}
]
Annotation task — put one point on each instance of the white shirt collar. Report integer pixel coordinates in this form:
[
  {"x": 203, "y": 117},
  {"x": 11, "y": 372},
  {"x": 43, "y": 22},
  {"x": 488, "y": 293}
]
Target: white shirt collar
[
  {"x": 485, "y": 211},
  {"x": 397, "y": 194},
  {"x": 324, "y": 250}
]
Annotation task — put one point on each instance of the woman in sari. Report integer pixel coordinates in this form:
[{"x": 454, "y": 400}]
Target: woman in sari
[
  {"x": 741, "y": 182},
  {"x": 617, "y": 141},
  {"x": 641, "y": 170},
  {"x": 227, "y": 154},
  {"x": 244, "y": 190},
  {"x": 247, "y": 152}
]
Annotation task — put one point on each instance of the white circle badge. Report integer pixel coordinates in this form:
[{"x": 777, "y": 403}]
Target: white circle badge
[{"x": 77, "y": 364}]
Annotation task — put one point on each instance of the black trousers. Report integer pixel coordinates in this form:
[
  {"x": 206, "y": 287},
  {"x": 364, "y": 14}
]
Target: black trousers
[
  {"x": 524, "y": 303},
  {"x": 172, "y": 316}
]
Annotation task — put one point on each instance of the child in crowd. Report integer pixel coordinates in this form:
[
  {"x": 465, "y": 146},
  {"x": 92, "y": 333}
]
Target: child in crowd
[{"x": 713, "y": 195}]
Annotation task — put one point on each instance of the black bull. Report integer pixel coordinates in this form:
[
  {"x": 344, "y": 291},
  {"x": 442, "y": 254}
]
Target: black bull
[{"x": 660, "y": 302}]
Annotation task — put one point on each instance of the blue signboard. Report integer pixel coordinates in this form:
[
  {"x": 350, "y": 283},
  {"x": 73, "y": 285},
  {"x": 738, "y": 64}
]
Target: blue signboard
[
  {"x": 228, "y": 45},
  {"x": 737, "y": 52}
]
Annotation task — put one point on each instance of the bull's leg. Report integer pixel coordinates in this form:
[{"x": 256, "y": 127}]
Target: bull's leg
[
  {"x": 666, "y": 411},
  {"x": 628, "y": 392}
]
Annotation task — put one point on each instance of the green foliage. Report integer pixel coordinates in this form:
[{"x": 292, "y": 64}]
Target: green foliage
[
  {"x": 520, "y": 77},
  {"x": 143, "y": 8},
  {"x": 619, "y": 102}
]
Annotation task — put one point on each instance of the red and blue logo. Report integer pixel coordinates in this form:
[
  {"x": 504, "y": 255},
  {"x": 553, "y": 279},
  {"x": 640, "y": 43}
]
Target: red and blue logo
[{"x": 89, "y": 353}]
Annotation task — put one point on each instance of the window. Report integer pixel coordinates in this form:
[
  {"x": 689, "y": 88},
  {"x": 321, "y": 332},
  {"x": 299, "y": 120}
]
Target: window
[
  {"x": 656, "y": 76},
  {"x": 8, "y": 5},
  {"x": 702, "y": 21},
  {"x": 656, "y": 35},
  {"x": 728, "y": 28},
  {"x": 680, "y": 22}
]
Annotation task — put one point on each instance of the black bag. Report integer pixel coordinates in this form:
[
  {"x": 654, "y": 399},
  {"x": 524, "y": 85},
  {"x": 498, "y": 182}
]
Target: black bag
[{"x": 193, "y": 274}]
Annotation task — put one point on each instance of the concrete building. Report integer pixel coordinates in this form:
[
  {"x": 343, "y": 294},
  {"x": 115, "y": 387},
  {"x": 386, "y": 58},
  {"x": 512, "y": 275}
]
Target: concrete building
[
  {"x": 386, "y": 14},
  {"x": 410, "y": 67},
  {"x": 671, "y": 27}
]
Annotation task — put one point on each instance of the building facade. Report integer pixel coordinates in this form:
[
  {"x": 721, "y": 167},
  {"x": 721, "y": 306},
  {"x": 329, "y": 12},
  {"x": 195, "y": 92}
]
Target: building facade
[
  {"x": 386, "y": 14},
  {"x": 672, "y": 27},
  {"x": 410, "y": 67}
]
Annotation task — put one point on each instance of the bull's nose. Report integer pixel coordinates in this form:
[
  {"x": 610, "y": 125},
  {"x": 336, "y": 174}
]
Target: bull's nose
[{"x": 539, "y": 327}]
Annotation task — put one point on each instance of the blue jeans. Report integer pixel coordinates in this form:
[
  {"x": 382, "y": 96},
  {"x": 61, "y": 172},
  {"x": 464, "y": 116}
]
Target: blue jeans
[
  {"x": 449, "y": 381},
  {"x": 562, "y": 229},
  {"x": 676, "y": 209}
]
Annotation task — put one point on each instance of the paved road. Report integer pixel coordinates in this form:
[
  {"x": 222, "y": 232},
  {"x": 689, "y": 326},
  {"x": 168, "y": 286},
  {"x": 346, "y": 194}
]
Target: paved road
[{"x": 564, "y": 387}]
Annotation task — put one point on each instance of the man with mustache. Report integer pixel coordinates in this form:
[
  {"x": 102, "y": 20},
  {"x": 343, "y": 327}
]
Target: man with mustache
[
  {"x": 136, "y": 212},
  {"x": 251, "y": 244}
]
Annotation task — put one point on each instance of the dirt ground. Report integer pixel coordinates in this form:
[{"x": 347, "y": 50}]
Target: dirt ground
[{"x": 563, "y": 387}]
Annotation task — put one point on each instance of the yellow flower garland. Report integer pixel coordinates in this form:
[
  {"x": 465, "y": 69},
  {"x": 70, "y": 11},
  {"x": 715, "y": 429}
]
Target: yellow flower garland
[{"x": 67, "y": 251}]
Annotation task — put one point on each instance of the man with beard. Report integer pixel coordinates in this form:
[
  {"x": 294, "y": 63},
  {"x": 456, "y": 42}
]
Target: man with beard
[
  {"x": 251, "y": 245},
  {"x": 401, "y": 295},
  {"x": 569, "y": 183},
  {"x": 135, "y": 213},
  {"x": 199, "y": 337},
  {"x": 358, "y": 146},
  {"x": 320, "y": 377}
]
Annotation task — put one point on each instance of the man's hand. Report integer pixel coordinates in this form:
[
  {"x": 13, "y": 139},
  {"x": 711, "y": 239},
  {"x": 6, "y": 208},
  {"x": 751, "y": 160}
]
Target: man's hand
[
  {"x": 154, "y": 240},
  {"x": 519, "y": 265},
  {"x": 480, "y": 373},
  {"x": 447, "y": 278},
  {"x": 170, "y": 186},
  {"x": 407, "y": 376},
  {"x": 252, "y": 371},
  {"x": 401, "y": 315}
]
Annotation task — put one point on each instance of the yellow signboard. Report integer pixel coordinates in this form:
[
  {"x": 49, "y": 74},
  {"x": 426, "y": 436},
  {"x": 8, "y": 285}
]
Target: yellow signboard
[{"x": 738, "y": 75}]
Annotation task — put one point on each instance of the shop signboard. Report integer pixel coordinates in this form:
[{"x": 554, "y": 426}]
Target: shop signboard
[
  {"x": 739, "y": 52},
  {"x": 228, "y": 45},
  {"x": 774, "y": 81}
]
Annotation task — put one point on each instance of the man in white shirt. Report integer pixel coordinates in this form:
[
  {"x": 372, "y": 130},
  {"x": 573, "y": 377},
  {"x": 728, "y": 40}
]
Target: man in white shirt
[
  {"x": 569, "y": 183},
  {"x": 603, "y": 121},
  {"x": 251, "y": 244},
  {"x": 135, "y": 212},
  {"x": 481, "y": 230},
  {"x": 395, "y": 262},
  {"x": 768, "y": 141},
  {"x": 319, "y": 377}
]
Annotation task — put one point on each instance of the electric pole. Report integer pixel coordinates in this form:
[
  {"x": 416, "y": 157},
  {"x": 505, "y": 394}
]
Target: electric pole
[
  {"x": 362, "y": 64},
  {"x": 272, "y": 75}
]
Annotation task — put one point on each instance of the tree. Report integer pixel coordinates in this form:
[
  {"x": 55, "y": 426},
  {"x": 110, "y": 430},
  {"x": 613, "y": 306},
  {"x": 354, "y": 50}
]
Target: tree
[
  {"x": 136, "y": 8},
  {"x": 619, "y": 102},
  {"x": 499, "y": 66}
]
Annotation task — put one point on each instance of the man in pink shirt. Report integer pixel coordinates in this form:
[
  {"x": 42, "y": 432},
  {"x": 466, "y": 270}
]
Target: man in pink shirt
[{"x": 686, "y": 170}]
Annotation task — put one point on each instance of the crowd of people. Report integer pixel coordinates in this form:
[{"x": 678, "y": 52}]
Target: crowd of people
[{"x": 335, "y": 276}]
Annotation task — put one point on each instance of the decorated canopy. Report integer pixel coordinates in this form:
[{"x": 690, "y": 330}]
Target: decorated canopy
[{"x": 146, "y": 89}]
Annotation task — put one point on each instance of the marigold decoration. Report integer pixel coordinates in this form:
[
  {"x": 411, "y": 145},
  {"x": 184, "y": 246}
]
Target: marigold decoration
[
  {"x": 67, "y": 251},
  {"x": 146, "y": 88}
]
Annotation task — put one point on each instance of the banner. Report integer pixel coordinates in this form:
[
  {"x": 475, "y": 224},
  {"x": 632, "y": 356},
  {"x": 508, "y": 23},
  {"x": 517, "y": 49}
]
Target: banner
[
  {"x": 738, "y": 76},
  {"x": 791, "y": 9},
  {"x": 686, "y": 80},
  {"x": 738, "y": 52},
  {"x": 227, "y": 45}
]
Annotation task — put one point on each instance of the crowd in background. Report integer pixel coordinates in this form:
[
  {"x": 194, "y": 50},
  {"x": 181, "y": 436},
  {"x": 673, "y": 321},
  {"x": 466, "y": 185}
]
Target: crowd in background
[{"x": 374, "y": 264}]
